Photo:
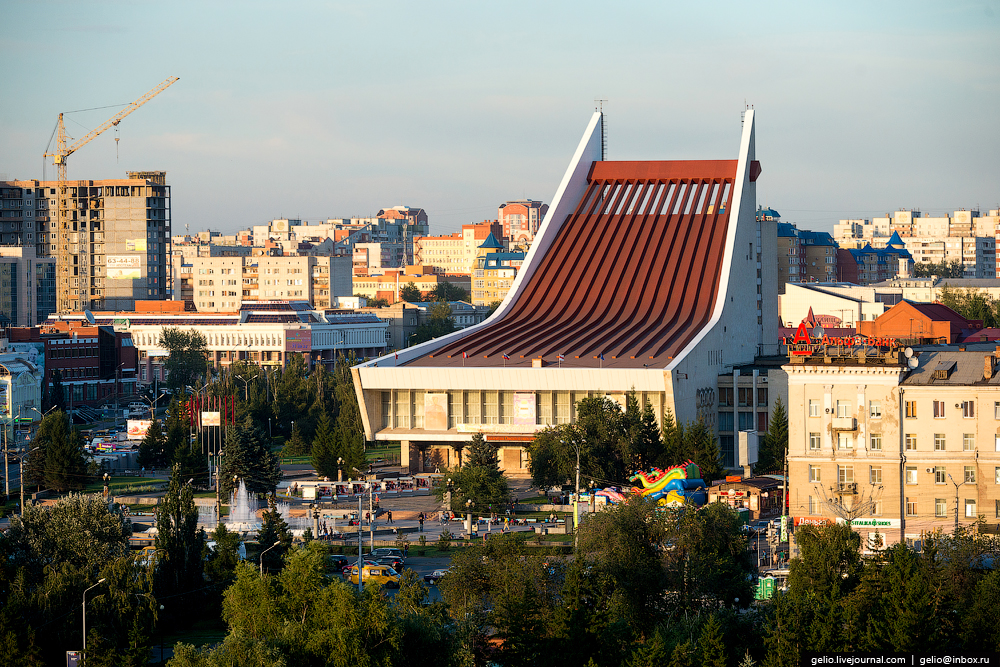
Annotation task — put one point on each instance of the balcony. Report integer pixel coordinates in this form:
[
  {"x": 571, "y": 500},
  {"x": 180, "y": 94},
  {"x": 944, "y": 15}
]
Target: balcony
[{"x": 845, "y": 424}]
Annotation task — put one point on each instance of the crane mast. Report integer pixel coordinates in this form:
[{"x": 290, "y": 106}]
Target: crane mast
[{"x": 74, "y": 234}]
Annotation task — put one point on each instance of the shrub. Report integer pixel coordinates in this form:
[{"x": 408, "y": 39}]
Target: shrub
[{"x": 444, "y": 541}]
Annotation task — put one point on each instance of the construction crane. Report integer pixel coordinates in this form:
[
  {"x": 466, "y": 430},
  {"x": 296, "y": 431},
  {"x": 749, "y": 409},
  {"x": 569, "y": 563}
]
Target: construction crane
[{"x": 65, "y": 227}]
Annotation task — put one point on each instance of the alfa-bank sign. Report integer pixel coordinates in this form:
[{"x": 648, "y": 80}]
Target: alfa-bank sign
[{"x": 802, "y": 344}]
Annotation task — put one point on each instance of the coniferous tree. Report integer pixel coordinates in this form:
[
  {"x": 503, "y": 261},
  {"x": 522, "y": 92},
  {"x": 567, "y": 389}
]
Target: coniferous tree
[
  {"x": 324, "y": 449},
  {"x": 273, "y": 530},
  {"x": 672, "y": 434},
  {"x": 178, "y": 430},
  {"x": 349, "y": 430},
  {"x": 711, "y": 643},
  {"x": 481, "y": 453},
  {"x": 771, "y": 457},
  {"x": 246, "y": 457},
  {"x": 702, "y": 447},
  {"x": 179, "y": 541},
  {"x": 296, "y": 445},
  {"x": 152, "y": 449},
  {"x": 65, "y": 467},
  {"x": 57, "y": 395}
]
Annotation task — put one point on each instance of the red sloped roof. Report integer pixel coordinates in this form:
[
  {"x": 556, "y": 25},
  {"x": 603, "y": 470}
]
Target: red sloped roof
[{"x": 633, "y": 273}]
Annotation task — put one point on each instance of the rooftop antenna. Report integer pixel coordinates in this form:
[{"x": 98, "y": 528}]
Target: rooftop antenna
[{"x": 604, "y": 128}]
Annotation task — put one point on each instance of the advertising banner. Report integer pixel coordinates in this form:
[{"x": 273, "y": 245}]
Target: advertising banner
[
  {"x": 135, "y": 245},
  {"x": 871, "y": 522},
  {"x": 124, "y": 267},
  {"x": 436, "y": 411},
  {"x": 298, "y": 340},
  {"x": 137, "y": 428},
  {"x": 211, "y": 419},
  {"x": 33, "y": 352},
  {"x": 812, "y": 521},
  {"x": 524, "y": 409}
]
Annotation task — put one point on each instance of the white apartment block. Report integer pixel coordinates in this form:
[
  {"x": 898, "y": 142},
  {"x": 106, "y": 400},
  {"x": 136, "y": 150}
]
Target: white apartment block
[{"x": 964, "y": 236}]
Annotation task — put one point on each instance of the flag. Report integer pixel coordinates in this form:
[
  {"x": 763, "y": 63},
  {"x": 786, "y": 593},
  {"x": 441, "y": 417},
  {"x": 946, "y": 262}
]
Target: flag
[
  {"x": 397, "y": 356},
  {"x": 465, "y": 355},
  {"x": 506, "y": 356},
  {"x": 561, "y": 357},
  {"x": 602, "y": 356}
]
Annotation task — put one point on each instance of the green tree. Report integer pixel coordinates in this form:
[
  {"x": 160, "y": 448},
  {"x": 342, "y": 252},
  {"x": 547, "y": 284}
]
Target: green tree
[
  {"x": 481, "y": 453},
  {"x": 771, "y": 457},
  {"x": 945, "y": 269},
  {"x": 702, "y": 446},
  {"x": 57, "y": 394},
  {"x": 324, "y": 449},
  {"x": 445, "y": 291},
  {"x": 494, "y": 305},
  {"x": 829, "y": 563},
  {"x": 273, "y": 531},
  {"x": 152, "y": 449},
  {"x": 58, "y": 462},
  {"x": 349, "y": 427},
  {"x": 188, "y": 356},
  {"x": 713, "y": 648},
  {"x": 439, "y": 322},
  {"x": 247, "y": 457},
  {"x": 179, "y": 541},
  {"x": 374, "y": 302},
  {"x": 296, "y": 445},
  {"x": 410, "y": 292}
]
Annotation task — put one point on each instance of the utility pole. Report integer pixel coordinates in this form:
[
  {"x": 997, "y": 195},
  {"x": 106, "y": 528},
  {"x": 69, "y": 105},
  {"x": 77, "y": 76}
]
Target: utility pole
[
  {"x": 576, "y": 502},
  {"x": 371, "y": 521},
  {"x": 360, "y": 534},
  {"x": 957, "y": 484}
]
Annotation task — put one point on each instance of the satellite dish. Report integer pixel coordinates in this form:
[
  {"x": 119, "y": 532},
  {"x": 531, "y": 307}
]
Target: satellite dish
[
  {"x": 911, "y": 362},
  {"x": 90, "y": 317},
  {"x": 908, "y": 352}
]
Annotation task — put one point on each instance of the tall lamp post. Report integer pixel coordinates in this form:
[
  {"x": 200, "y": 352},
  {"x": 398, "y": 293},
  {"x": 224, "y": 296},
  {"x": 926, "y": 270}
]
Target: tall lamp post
[
  {"x": 957, "y": 484},
  {"x": 340, "y": 469},
  {"x": 99, "y": 582},
  {"x": 576, "y": 497}
]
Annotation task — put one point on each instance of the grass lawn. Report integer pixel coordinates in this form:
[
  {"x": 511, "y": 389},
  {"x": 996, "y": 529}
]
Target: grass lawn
[
  {"x": 537, "y": 500},
  {"x": 119, "y": 484}
]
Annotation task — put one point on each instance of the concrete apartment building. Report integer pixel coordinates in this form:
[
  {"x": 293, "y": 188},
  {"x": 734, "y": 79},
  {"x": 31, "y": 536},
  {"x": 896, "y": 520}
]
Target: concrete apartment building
[
  {"x": 27, "y": 286},
  {"x": 964, "y": 236},
  {"x": 494, "y": 273},
  {"x": 803, "y": 256},
  {"x": 894, "y": 447},
  {"x": 455, "y": 253},
  {"x": 119, "y": 237},
  {"x": 222, "y": 284},
  {"x": 387, "y": 285},
  {"x": 520, "y": 219},
  {"x": 867, "y": 265}
]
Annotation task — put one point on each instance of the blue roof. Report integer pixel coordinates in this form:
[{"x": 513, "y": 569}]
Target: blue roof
[
  {"x": 894, "y": 240},
  {"x": 787, "y": 229},
  {"x": 491, "y": 242},
  {"x": 763, "y": 213},
  {"x": 816, "y": 238}
]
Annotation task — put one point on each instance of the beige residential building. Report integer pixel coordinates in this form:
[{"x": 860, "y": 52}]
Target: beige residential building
[
  {"x": 222, "y": 284},
  {"x": 454, "y": 253},
  {"x": 895, "y": 449}
]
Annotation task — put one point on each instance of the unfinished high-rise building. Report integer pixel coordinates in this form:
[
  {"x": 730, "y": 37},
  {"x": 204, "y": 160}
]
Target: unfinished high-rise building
[{"x": 118, "y": 236}]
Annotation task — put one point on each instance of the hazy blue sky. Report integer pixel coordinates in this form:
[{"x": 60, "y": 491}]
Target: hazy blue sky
[{"x": 335, "y": 109}]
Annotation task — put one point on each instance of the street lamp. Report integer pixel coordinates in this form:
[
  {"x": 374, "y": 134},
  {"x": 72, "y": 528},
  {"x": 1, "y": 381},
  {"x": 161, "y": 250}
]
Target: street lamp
[
  {"x": 576, "y": 497},
  {"x": 262, "y": 556},
  {"x": 340, "y": 469},
  {"x": 246, "y": 386},
  {"x": 468, "y": 516},
  {"x": 99, "y": 582},
  {"x": 20, "y": 481},
  {"x": 957, "y": 484}
]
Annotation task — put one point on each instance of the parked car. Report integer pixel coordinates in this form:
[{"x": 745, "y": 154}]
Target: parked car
[
  {"x": 380, "y": 574},
  {"x": 395, "y": 562},
  {"x": 348, "y": 570},
  {"x": 386, "y": 551},
  {"x": 759, "y": 527},
  {"x": 338, "y": 562},
  {"x": 436, "y": 576}
]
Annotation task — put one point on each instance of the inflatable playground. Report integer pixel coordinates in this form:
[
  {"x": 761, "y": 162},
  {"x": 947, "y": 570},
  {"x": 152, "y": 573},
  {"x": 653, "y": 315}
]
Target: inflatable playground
[{"x": 673, "y": 487}]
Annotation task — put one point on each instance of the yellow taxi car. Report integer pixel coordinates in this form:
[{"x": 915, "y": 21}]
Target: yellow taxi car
[{"x": 380, "y": 574}]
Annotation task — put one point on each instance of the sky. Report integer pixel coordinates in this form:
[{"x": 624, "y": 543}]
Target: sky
[{"x": 316, "y": 110}]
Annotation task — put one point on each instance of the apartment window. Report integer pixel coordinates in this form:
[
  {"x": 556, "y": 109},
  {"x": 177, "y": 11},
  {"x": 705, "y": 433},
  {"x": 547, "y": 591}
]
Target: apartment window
[
  {"x": 938, "y": 409},
  {"x": 876, "y": 442},
  {"x": 910, "y": 409},
  {"x": 843, "y": 408},
  {"x": 911, "y": 507},
  {"x": 911, "y": 474},
  {"x": 814, "y": 474},
  {"x": 814, "y": 506},
  {"x": 996, "y": 410},
  {"x": 970, "y": 474},
  {"x": 940, "y": 507},
  {"x": 875, "y": 409},
  {"x": 745, "y": 397},
  {"x": 940, "y": 475},
  {"x": 815, "y": 443},
  {"x": 761, "y": 397},
  {"x": 845, "y": 441},
  {"x": 968, "y": 442},
  {"x": 910, "y": 441},
  {"x": 970, "y": 508},
  {"x": 939, "y": 442},
  {"x": 845, "y": 474},
  {"x": 726, "y": 397},
  {"x": 814, "y": 407},
  {"x": 877, "y": 508},
  {"x": 875, "y": 475},
  {"x": 969, "y": 409}
]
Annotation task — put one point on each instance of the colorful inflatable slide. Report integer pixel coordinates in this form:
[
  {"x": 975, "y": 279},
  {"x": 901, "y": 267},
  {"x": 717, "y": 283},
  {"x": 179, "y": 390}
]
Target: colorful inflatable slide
[{"x": 678, "y": 485}]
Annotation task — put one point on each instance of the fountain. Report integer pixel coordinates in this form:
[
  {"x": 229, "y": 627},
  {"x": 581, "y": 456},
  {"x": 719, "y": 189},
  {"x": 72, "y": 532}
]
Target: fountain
[
  {"x": 242, "y": 511},
  {"x": 296, "y": 524}
]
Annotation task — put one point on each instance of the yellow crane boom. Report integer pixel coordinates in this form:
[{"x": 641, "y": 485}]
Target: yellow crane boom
[{"x": 64, "y": 225}]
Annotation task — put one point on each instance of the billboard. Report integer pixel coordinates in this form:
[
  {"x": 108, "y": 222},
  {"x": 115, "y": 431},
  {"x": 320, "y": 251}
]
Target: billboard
[
  {"x": 436, "y": 411},
  {"x": 124, "y": 267},
  {"x": 137, "y": 428},
  {"x": 211, "y": 419},
  {"x": 298, "y": 340},
  {"x": 33, "y": 352},
  {"x": 524, "y": 409},
  {"x": 135, "y": 245}
]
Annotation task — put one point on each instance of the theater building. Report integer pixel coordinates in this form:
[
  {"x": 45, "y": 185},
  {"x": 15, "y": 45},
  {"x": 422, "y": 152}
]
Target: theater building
[{"x": 644, "y": 276}]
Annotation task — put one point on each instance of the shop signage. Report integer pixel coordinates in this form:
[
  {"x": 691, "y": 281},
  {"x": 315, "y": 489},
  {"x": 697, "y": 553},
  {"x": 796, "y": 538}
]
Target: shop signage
[
  {"x": 802, "y": 344},
  {"x": 871, "y": 522},
  {"x": 811, "y": 521}
]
